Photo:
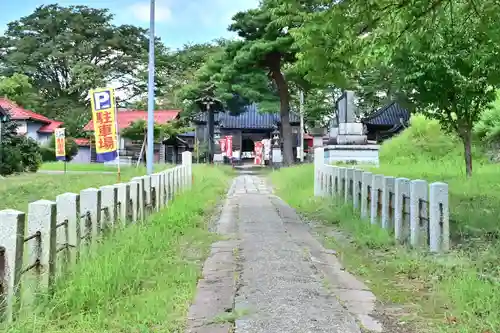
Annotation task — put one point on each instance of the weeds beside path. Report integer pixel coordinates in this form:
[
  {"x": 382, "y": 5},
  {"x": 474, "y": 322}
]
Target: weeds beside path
[
  {"x": 141, "y": 279},
  {"x": 434, "y": 293}
]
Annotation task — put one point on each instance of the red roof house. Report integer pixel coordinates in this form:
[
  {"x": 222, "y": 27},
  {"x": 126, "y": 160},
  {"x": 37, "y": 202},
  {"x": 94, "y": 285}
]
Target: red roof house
[
  {"x": 32, "y": 124},
  {"x": 126, "y": 117}
]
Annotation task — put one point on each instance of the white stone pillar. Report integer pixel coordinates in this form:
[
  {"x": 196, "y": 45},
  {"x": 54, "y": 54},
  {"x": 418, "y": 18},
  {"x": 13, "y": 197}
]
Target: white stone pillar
[
  {"x": 401, "y": 209},
  {"x": 319, "y": 161},
  {"x": 349, "y": 177},
  {"x": 388, "y": 202},
  {"x": 357, "y": 185},
  {"x": 367, "y": 183},
  {"x": 69, "y": 232},
  {"x": 123, "y": 192},
  {"x": 12, "y": 226},
  {"x": 419, "y": 192},
  {"x": 439, "y": 219},
  {"x": 109, "y": 205},
  {"x": 42, "y": 221},
  {"x": 375, "y": 199},
  {"x": 90, "y": 209}
]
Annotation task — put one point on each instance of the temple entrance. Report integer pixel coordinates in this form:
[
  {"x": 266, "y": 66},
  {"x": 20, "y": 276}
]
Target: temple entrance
[{"x": 247, "y": 148}]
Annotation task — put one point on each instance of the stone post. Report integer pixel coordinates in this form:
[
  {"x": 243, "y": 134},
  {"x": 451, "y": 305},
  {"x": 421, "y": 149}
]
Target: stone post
[
  {"x": 349, "y": 176},
  {"x": 319, "y": 161},
  {"x": 90, "y": 208},
  {"x": 335, "y": 181},
  {"x": 156, "y": 185},
  {"x": 388, "y": 202},
  {"x": 170, "y": 175},
  {"x": 187, "y": 160},
  {"x": 418, "y": 200},
  {"x": 136, "y": 200},
  {"x": 147, "y": 194},
  {"x": 109, "y": 202},
  {"x": 342, "y": 182},
  {"x": 375, "y": 198},
  {"x": 142, "y": 198},
  {"x": 367, "y": 183},
  {"x": 357, "y": 185},
  {"x": 164, "y": 185},
  {"x": 439, "y": 219},
  {"x": 401, "y": 209},
  {"x": 42, "y": 221},
  {"x": 68, "y": 216},
  {"x": 12, "y": 224},
  {"x": 123, "y": 192}
]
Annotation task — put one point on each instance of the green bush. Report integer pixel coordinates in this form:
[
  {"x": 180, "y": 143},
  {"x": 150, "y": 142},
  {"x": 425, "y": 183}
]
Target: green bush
[
  {"x": 488, "y": 126},
  {"x": 71, "y": 148},
  {"x": 424, "y": 140},
  {"x": 48, "y": 154},
  {"x": 17, "y": 153}
]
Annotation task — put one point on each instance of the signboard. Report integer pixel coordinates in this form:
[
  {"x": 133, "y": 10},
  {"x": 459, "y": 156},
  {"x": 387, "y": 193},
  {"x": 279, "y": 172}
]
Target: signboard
[
  {"x": 258, "y": 147},
  {"x": 229, "y": 146},
  {"x": 103, "y": 116},
  {"x": 60, "y": 137}
]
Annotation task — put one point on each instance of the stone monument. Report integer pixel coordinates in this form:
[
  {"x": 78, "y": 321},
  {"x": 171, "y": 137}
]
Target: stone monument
[{"x": 349, "y": 131}]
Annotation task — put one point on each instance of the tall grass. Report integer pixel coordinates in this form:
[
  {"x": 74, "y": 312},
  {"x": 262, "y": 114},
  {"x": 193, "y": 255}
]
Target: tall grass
[
  {"x": 141, "y": 279},
  {"x": 435, "y": 293}
]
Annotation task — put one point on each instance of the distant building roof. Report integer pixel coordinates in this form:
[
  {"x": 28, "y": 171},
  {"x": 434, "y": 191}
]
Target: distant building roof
[
  {"x": 250, "y": 118},
  {"x": 18, "y": 113},
  {"x": 391, "y": 114},
  {"x": 127, "y": 117},
  {"x": 82, "y": 142}
]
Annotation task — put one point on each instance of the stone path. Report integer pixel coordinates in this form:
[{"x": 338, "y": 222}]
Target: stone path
[{"x": 271, "y": 275}]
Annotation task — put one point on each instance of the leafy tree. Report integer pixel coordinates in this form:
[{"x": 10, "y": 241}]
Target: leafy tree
[
  {"x": 66, "y": 51},
  {"x": 18, "y": 89},
  {"x": 444, "y": 66},
  {"x": 17, "y": 153}
]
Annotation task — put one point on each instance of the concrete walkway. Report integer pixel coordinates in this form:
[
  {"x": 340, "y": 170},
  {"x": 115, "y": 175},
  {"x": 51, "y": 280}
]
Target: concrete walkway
[{"x": 271, "y": 276}]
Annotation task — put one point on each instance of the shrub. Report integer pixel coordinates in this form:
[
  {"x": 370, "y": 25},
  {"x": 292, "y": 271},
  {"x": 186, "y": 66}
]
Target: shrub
[
  {"x": 423, "y": 140},
  {"x": 71, "y": 148},
  {"x": 48, "y": 154},
  {"x": 17, "y": 153},
  {"x": 488, "y": 126}
]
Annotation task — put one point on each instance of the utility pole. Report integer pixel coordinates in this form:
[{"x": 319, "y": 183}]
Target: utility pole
[
  {"x": 301, "y": 135},
  {"x": 151, "y": 91}
]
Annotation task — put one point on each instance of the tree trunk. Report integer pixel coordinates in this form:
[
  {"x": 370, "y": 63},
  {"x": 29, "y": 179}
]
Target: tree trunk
[
  {"x": 466, "y": 136},
  {"x": 286, "y": 128}
]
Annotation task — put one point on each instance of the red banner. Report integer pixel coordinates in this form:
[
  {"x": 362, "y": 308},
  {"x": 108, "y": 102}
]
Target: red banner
[
  {"x": 222, "y": 143},
  {"x": 258, "y": 148},
  {"x": 229, "y": 146}
]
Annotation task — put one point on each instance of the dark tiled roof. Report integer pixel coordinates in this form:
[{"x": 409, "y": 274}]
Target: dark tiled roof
[
  {"x": 251, "y": 118},
  {"x": 390, "y": 114}
]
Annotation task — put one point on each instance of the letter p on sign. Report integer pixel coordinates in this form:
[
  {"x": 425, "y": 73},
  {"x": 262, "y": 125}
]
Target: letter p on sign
[{"x": 102, "y": 100}]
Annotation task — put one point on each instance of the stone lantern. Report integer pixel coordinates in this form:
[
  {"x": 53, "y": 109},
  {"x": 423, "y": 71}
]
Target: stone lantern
[{"x": 277, "y": 158}]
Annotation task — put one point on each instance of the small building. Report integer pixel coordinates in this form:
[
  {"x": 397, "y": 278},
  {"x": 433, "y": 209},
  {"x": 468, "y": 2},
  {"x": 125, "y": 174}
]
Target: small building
[
  {"x": 246, "y": 128},
  {"x": 31, "y": 124},
  {"x": 130, "y": 150},
  {"x": 386, "y": 122}
]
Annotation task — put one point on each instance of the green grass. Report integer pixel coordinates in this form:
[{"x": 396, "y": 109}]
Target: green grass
[
  {"x": 86, "y": 167},
  {"x": 141, "y": 279},
  {"x": 16, "y": 192},
  {"x": 438, "y": 293}
]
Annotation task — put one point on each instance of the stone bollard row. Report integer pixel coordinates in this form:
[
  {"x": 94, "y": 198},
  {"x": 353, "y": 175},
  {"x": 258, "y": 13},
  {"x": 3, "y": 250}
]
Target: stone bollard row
[
  {"x": 414, "y": 210},
  {"x": 72, "y": 221}
]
